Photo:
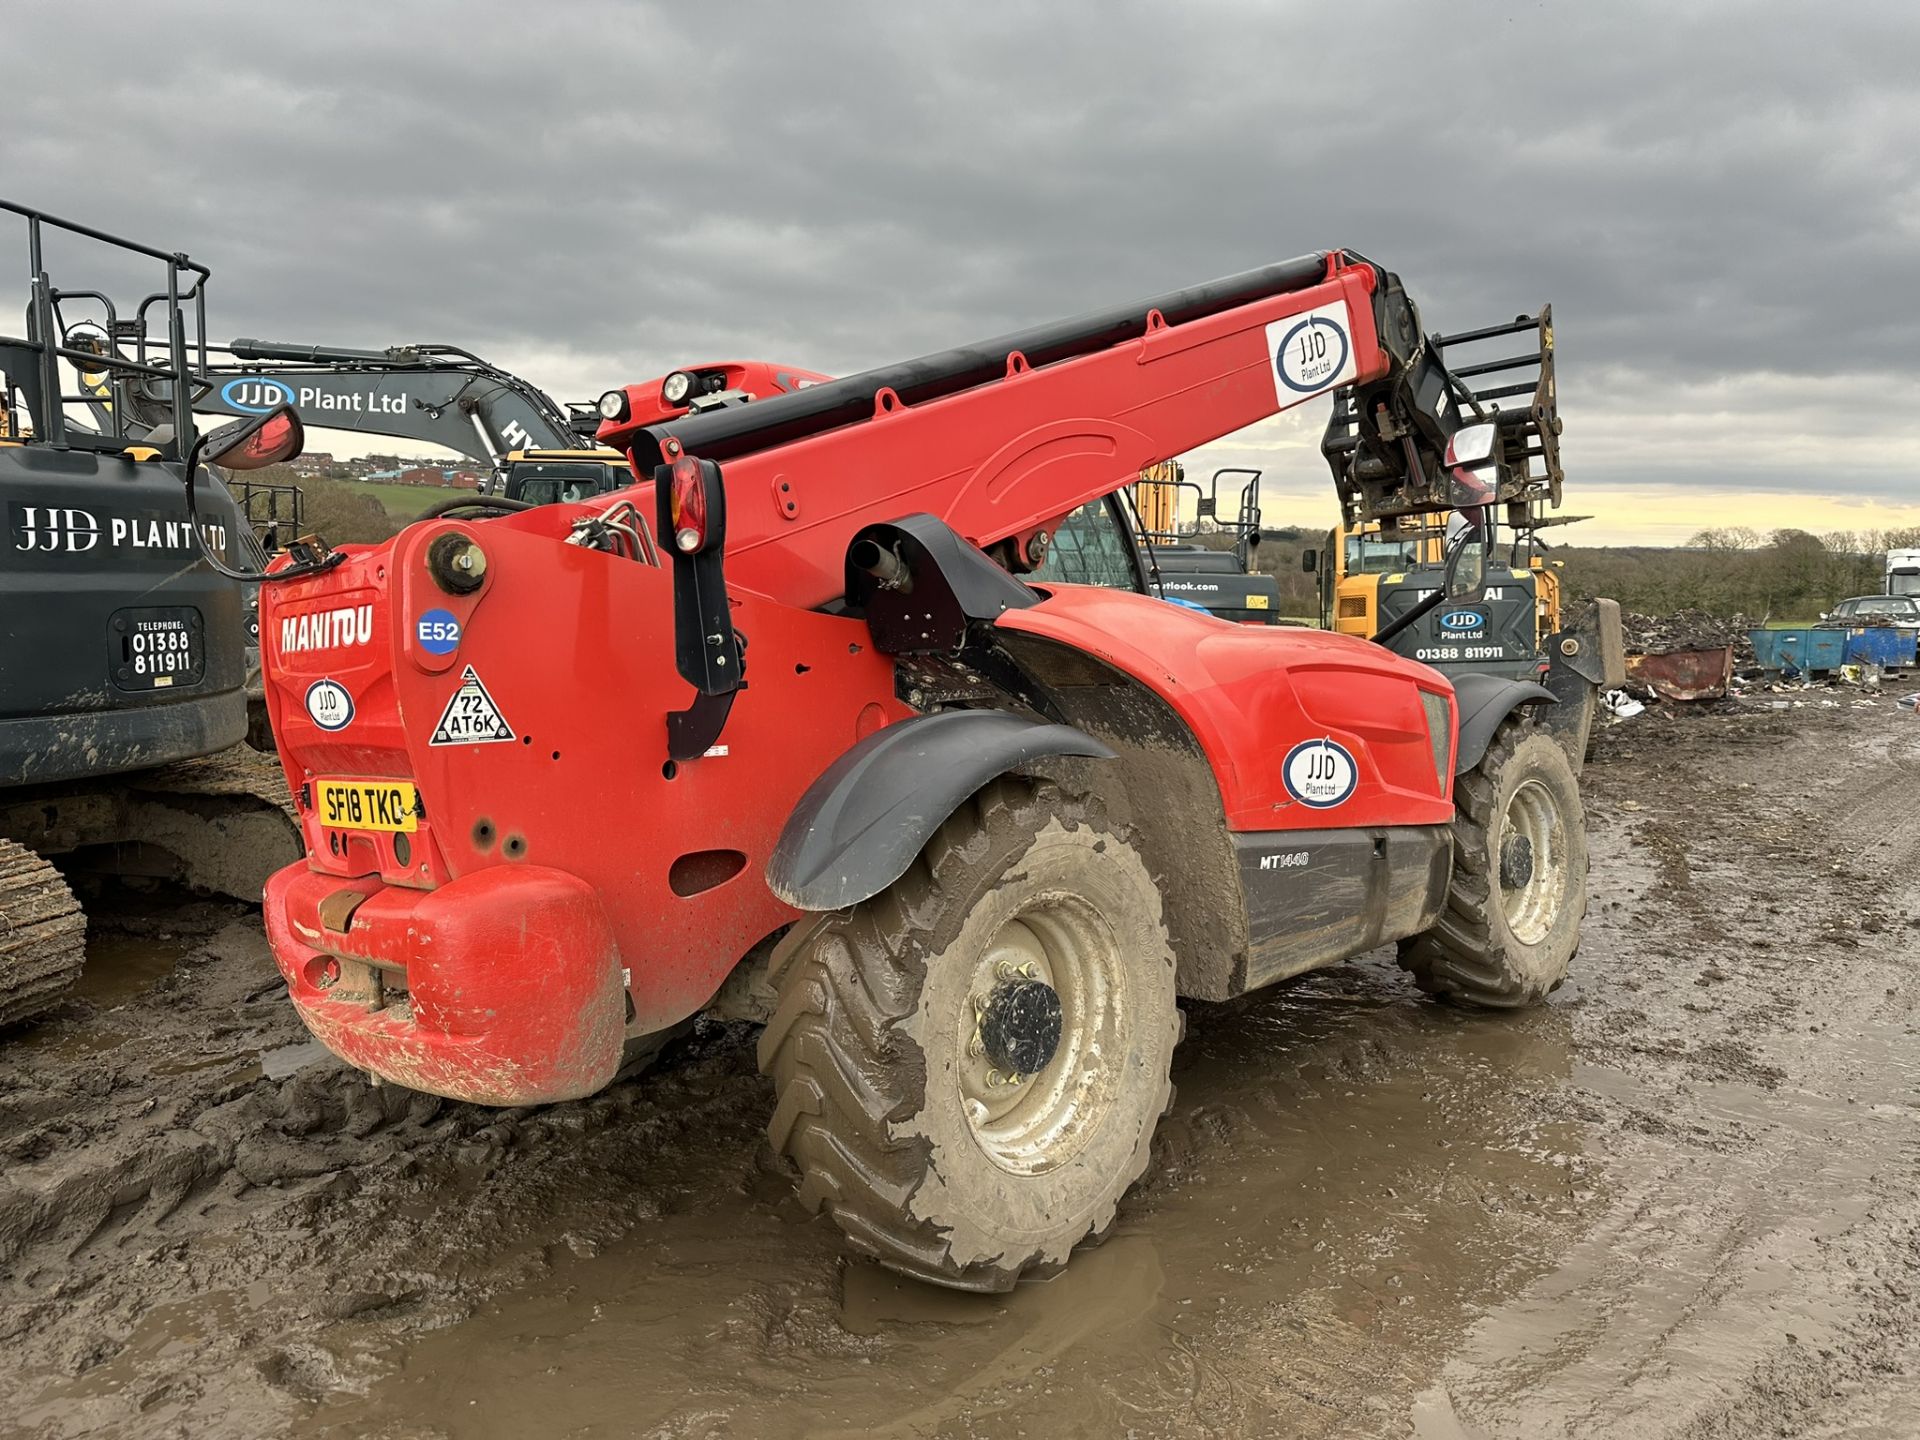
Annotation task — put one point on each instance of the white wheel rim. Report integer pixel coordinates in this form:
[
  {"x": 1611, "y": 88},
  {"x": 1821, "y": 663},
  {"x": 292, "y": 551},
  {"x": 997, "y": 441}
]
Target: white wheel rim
[
  {"x": 1028, "y": 1125},
  {"x": 1533, "y": 814}
]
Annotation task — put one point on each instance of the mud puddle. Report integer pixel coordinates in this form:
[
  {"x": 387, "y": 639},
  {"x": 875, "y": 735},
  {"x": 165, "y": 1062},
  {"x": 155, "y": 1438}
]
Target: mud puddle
[
  {"x": 1681, "y": 1201},
  {"x": 1347, "y": 1176}
]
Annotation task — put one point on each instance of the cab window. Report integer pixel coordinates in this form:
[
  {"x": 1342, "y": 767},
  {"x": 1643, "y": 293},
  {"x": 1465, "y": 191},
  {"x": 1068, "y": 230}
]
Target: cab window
[
  {"x": 565, "y": 482},
  {"x": 1368, "y": 554},
  {"x": 1091, "y": 547}
]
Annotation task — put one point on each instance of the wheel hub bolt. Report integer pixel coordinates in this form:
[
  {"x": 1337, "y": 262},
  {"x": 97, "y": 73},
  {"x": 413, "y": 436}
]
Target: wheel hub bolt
[
  {"x": 1020, "y": 1026},
  {"x": 1516, "y": 863}
]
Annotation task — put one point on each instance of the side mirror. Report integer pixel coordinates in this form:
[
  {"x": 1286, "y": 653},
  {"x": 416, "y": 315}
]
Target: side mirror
[
  {"x": 1470, "y": 449},
  {"x": 1471, "y": 445},
  {"x": 255, "y": 442},
  {"x": 1309, "y": 561}
]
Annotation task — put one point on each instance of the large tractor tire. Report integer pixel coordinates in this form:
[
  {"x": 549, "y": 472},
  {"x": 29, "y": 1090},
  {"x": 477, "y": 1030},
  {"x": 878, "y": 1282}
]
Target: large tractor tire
[
  {"x": 43, "y": 936},
  {"x": 970, "y": 1065},
  {"x": 1519, "y": 889}
]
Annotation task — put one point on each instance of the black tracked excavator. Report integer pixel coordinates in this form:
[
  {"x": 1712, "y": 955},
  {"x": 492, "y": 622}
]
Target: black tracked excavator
[{"x": 123, "y": 654}]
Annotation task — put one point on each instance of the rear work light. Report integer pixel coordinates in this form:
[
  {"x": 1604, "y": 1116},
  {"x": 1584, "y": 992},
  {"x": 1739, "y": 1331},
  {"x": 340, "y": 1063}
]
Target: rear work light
[{"x": 688, "y": 499}]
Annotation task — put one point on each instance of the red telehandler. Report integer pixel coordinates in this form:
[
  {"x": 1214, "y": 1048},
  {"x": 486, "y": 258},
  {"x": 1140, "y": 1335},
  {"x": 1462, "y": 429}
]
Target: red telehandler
[{"x": 801, "y": 715}]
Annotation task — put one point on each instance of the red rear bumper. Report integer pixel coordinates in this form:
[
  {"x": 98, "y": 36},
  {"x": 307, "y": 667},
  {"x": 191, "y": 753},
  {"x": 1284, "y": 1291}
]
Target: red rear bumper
[{"x": 502, "y": 987}]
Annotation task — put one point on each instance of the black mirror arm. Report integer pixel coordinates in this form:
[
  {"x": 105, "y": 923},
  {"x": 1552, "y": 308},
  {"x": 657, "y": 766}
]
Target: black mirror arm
[
  {"x": 248, "y": 577},
  {"x": 1419, "y": 612}
]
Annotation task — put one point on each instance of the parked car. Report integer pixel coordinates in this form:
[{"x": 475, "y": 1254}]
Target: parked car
[
  {"x": 1884, "y": 629},
  {"x": 1900, "y": 610}
]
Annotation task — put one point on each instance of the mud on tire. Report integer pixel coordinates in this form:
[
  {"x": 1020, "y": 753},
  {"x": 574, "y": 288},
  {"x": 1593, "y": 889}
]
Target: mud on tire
[
  {"x": 929, "y": 1158},
  {"x": 1519, "y": 888}
]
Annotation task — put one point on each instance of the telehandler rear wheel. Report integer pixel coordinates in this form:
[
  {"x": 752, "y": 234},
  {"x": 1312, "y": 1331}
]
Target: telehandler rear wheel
[
  {"x": 971, "y": 1064},
  {"x": 1519, "y": 889}
]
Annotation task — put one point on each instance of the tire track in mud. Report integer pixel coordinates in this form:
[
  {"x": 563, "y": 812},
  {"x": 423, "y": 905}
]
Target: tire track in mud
[
  {"x": 1757, "y": 1253},
  {"x": 160, "y": 1189}
]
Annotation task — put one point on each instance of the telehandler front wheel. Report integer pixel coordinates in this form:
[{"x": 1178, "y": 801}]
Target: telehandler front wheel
[
  {"x": 970, "y": 1065},
  {"x": 1519, "y": 889}
]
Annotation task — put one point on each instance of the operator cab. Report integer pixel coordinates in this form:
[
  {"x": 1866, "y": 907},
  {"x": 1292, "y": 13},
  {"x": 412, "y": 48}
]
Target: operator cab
[{"x": 567, "y": 477}]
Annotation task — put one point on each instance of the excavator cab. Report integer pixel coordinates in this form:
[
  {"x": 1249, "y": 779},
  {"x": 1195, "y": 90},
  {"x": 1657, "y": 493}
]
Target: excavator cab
[
  {"x": 1217, "y": 573},
  {"x": 563, "y": 477}
]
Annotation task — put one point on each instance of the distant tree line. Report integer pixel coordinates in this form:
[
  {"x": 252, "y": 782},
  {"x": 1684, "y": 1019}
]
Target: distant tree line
[
  {"x": 1736, "y": 570},
  {"x": 335, "y": 512}
]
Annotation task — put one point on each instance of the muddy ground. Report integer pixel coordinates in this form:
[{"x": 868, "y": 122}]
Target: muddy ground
[{"x": 1679, "y": 1201}]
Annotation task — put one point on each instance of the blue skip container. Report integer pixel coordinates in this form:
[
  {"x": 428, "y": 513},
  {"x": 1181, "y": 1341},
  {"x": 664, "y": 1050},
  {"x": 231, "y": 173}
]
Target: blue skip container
[
  {"x": 1881, "y": 645},
  {"x": 1806, "y": 651}
]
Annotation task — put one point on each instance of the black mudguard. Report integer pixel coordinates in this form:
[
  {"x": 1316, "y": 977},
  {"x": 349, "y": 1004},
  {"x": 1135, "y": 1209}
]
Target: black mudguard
[
  {"x": 861, "y": 823},
  {"x": 1484, "y": 701}
]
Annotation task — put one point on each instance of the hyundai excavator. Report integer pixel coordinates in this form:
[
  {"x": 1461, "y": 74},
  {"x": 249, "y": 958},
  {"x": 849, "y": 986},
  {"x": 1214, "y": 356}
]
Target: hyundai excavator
[
  {"x": 802, "y": 726},
  {"x": 446, "y": 396},
  {"x": 122, "y": 656}
]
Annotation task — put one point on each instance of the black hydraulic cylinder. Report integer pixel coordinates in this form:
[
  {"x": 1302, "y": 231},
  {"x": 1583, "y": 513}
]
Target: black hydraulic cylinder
[
  {"x": 307, "y": 354},
  {"x": 739, "y": 430}
]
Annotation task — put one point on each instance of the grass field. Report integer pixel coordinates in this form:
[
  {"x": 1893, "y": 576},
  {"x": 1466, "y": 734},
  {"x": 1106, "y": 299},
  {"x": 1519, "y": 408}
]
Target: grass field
[{"x": 403, "y": 502}]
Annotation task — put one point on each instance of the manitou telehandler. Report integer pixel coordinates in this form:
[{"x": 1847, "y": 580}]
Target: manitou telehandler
[
  {"x": 799, "y": 716},
  {"x": 122, "y": 654}
]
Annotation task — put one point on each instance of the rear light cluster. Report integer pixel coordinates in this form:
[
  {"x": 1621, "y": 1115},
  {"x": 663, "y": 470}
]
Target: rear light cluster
[{"x": 687, "y": 502}]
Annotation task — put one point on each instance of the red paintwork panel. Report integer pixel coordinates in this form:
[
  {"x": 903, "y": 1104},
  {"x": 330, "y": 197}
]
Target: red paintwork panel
[
  {"x": 513, "y": 979},
  {"x": 575, "y": 648},
  {"x": 647, "y": 406},
  {"x": 1250, "y": 695}
]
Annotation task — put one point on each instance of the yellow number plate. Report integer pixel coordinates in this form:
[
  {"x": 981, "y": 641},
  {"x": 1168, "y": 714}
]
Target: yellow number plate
[{"x": 367, "y": 805}]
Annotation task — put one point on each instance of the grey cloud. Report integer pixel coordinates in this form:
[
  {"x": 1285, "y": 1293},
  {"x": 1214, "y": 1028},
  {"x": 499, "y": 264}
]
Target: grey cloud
[{"x": 1701, "y": 191}]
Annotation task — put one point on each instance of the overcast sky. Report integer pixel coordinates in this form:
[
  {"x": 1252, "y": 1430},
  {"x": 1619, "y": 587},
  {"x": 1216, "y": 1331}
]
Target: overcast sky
[{"x": 1720, "y": 201}]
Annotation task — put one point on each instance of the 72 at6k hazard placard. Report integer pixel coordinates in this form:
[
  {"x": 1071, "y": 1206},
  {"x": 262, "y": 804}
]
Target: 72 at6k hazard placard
[{"x": 471, "y": 716}]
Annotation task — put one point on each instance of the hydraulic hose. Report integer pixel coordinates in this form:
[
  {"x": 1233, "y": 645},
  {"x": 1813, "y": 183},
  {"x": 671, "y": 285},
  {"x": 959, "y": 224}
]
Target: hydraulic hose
[{"x": 471, "y": 502}]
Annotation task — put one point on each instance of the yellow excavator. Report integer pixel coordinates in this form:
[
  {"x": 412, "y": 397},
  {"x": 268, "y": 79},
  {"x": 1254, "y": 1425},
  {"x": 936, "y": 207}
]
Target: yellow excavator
[
  {"x": 1361, "y": 564},
  {"x": 1378, "y": 578}
]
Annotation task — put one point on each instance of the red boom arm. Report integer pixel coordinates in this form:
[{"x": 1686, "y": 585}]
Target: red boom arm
[{"x": 1009, "y": 457}]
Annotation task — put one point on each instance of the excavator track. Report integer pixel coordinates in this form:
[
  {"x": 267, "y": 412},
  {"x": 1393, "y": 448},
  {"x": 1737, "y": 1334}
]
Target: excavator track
[
  {"x": 43, "y": 935},
  {"x": 222, "y": 823},
  {"x": 227, "y": 817}
]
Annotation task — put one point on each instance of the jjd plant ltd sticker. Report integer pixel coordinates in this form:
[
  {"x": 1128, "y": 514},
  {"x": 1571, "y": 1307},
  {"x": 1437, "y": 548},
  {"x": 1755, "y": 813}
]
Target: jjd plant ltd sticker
[
  {"x": 329, "y": 705},
  {"x": 1311, "y": 353},
  {"x": 1320, "y": 773}
]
